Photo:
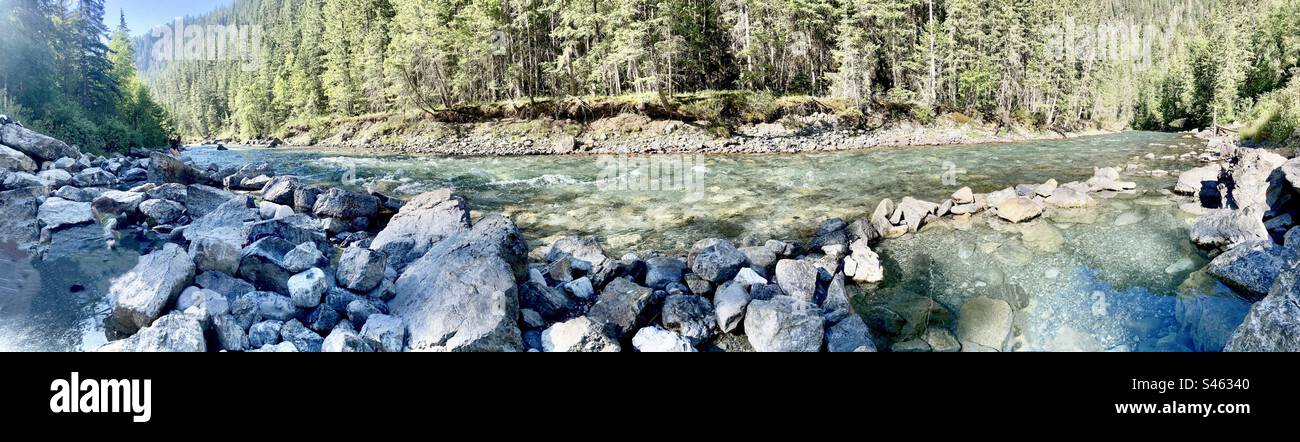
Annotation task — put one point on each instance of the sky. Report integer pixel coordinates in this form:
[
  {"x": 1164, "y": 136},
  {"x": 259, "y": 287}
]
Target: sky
[{"x": 143, "y": 15}]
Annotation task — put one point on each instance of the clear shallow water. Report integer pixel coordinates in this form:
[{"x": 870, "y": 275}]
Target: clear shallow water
[{"x": 1108, "y": 278}]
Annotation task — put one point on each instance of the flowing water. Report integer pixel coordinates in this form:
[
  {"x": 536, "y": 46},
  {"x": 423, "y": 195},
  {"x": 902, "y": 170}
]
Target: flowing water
[{"x": 1118, "y": 277}]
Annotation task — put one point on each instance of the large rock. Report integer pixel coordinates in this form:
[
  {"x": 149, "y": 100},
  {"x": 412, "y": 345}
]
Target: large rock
[
  {"x": 863, "y": 264},
  {"x": 307, "y": 288},
  {"x": 162, "y": 211},
  {"x": 1256, "y": 181},
  {"x": 229, "y": 222},
  {"x": 1107, "y": 178},
  {"x": 281, "y": 189},
  {"x": 624, "y": 305},
  {"x": 385, "y": 333},
  {"x": 1273, "y": 325},
  {"x": 586, "y": 249},
  {"x": 798, "y": 279},
  {"x": 55, "y": 178},
  {"x": 263, "y": 263},
  {"x": 1202, "y": 180},
  {"x": 913, "y": 213},
  {"x": 94, "y": 177},
  {"x": 212, "y": 254},
  {"x": 549, "y": 302},
  {"x": 1070, "y": 198},
  {"x": 421, "y": 223},
  {"x": 580, "y": 335},
  {"x": 1019, "y": 209},
  {"x": 361, "y": 270},
  {"x": 339, "y": 203},
  {"x": 247, "y": 178},
  {"x": 14, "y": 160},
  {"x": 716, "y": 260},
  {"x": 729, "y": 306},
  {"x": 658, "y": 340},
  {"x": 342, "y": 340},
  {"x": 34, "y": 144},
  {"x": 1226, "y": 228},
  {"x": 18, "y": 211},
  {"x": 690, "y": 316},
  {"x": 1291, "y": 171},
  {"x": 1252, "y": 266},
  {"x": 661, "y": 271},
  {"x": 201, "y": 200},
  {"x": 57, "y": 213},
  {"x": 296, "y": 229},
  {"x": 784, "y": 324},
  {"x": 118, "y": 203},
  {"x": 174, "y": 333},
  {"x": 165, "y": 168},
  {"x": 850, "y": 336},
  {"x": 157, "y": 279},
  {"x": 984, "y": 324},
  {"x": 462, "y": 296}
]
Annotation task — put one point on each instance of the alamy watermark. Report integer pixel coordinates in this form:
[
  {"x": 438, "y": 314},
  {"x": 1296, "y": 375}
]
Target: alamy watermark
[
  {"x": 1072, "y": 41},
  {"x": 209, "y": 43},
  {"x": 666, "y": 173}
]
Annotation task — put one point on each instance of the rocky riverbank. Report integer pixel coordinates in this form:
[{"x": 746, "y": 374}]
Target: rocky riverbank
[
  {"x": 247, "y": 260},
  {"x": 638, "y": 134}
]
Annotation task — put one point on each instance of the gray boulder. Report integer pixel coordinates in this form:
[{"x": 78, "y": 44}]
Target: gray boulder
[
  {"x": 174, "y": 333},
  {"x": 691, "y": 316},
  {"x": 307, "y": 288},
  {"x": 344, "y": 341},
  {"x": 662, "y": 271},
  {"x": 580, "y": 335},
  {"x": 784, "y": 325},
  {"x": 54, "y": 178},
  {"x": 623, "y": 305},
  {"x": 385, "y": 333},
  {"x": 229, "y": 286},
  {"x": 729, "y": 306},
  {"x": 361, "y": 270},
  {"x": 424, "y": 221},
  {"x": 716, "y": 260},
  {"x": 1199, "y": 181},
  {"x": 850, "y": 336},
  {"x": 1019, "y": 209},
  {"x": 585, "y": 249},
  {"x": 264, "y": 333},
  {"x": 228, "y": 222},
  {"x": 16, "y": 161},
  {"x": 213, "y": 254},
  {"x": 94, "y": 177},
  {"x": 157, "y": 279},
  {"x": 462, "y": 296},
  {"x": 18, "y": 221},
  {"x": 170, "y": 191},
  {"x": 162, "y": 211},
  {"x": 658, "y": 340},
  {"x": 1226, "y": 228},
  {"x": 57, "y": 213},
  {"x": 339, "y": 203},
  {"x": 296, "y": 229},
  {"x": 302, "y": 338},
  {"x": 1252, "y": 266},
  {"x": 230, "y": 334},
  {"x": 263, "y": 263},
  {"x": 165, "y": 168},
  {"x": 280, "y": 190},
  {"x": 35, "y": 145},
  {"x": 118, "y": 203},
  {"x": 798, "y": 279},
  {"x": 201, "y": 200},
  {"x": 1273, "y": 324}
]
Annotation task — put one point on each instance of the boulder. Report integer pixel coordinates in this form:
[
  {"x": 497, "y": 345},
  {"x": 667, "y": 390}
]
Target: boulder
[
  {"x": 161, "y": 212},
  {"x": 662, "y": 271},
  {"x": 57, "y": 213},
  {"x": 580, "y": 335},
  {"x": 157, "y": 279},
  {"x": 165, "y": 168},
  {"x": 94, "y": 177},
  {"x": 228, "y": 222},
  {"x": 461, "y": 295},
  {"x": 784, "y": 325},
  {"x": 201, "y": 200},
  {"x": 35, "y": 145},
  {"x": 850, "y": 336},
  {"x": 174, "y": 333},
  {"x": 304, "y": 257},
  {"x": 623, "y": 305},
  {"x": 385, "y": 333},
  {"x": 963, "y": 196},
  {"x": 19, "y": 180},
  {"x": 302, "y": 338},
  {"x": 1107, "y": 179},
  {"x": 584, "y": 249},
  {"x": 658, "y": 340},
  {"x": 716, "y": 260},
  {"x": 1202, "y": 180},
  {"x": 307, "y": 288},
  {"x": 344, "y": 341},
  {"x": 913, "y": 213},
  {"x": 264, "y": 333},
  {"x": 831, "y": 232},
  {"x": 229, "y": 286},
  {"x": 1251, "y": 267},
  {"x": 263, "y": 264},
  {"x": 118, "y": 203},
  {"x": 880, "y": 218},
  {"x": 230, "y": 334},
  {"x": 729, "y": 306},
  {"x": 1256, "y": 181},
  {"x": 203, "y": 304},
  {"x": 1226, "y": 228},
  {"x": 254, "y": 307},
  {"x": 296, "y": 229},
  {"x": 170, "y": 191},
  {"x": 984, "y": 324},
  {"x": 798, "y": 279},
  {"x": 212, "y": 254},
  {"x": 13, "y": 160},
  {"x": 248, "y": 177},
  {"x": 863, "y": 264},
  {"x": 18, "y": 216},
  {"x": 361, "y": 270},
  {"x": 339, "y": 203},
  {"x": 549, "y": 302},
  {"x": 280, "y": 190},
  {"x": 422, "y": 222},
  {"x": 748, "y": 277},
  {"x": 1291, "y": 171},
  {"x": 690, "y": 316},
  {"x": 1273, "y": 324},
  {"x": 1018, "y": 209},
  {"x": 54, "y": 178}
]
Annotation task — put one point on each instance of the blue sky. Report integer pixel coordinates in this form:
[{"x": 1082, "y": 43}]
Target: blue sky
[{"x": 142, "y": 15}]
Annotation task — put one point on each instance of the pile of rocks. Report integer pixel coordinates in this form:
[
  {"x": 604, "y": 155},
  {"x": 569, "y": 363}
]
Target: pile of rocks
[{"x": 1248, "y": 205}]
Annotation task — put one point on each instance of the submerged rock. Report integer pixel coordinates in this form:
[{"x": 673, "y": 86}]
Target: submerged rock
[
  {"x": 984, "y": 323},
  {"x": 1018, "y": 209}
]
